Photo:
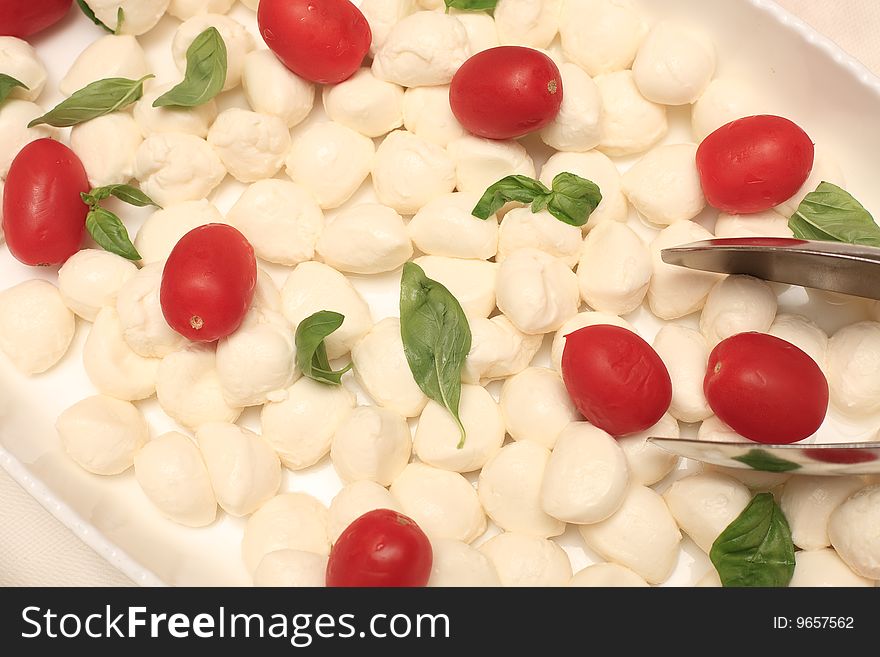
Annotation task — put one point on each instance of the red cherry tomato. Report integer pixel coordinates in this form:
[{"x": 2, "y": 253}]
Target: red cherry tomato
[
  {"x": 615, "y": 379},
  {"x": 322, "y": 41},
  {"x": 22, "y": 18},
  {"x": 754, "y": 164},
  {"x": 44, "y": 217},
  {"x": 506, "y": 92},
  {"x": 838, "y": 455},
  {"x": 208, "y": 282},
  {"x": 381, "y": 548},
  {"x": 765, "y": 388}
]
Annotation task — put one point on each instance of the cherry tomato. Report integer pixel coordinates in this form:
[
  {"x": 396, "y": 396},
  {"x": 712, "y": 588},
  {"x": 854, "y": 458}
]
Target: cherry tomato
[
  {"x": 754, "y": 164},
  {"x": 765, "y": 388},
  {"x": 22, "y": 18},
  {"x": 44, "y": 217},
  {"x": 838, "y": 455},
  {"x": 323, "y": 42},
  {"x": 615, "y": 379},
  {"x": 208, "y": 282},
  {"x": 506, "y": 92},
  {"x": 381, "y": 548}
]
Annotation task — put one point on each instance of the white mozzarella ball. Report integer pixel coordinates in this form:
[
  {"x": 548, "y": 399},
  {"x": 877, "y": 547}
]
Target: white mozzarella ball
[
  {"x": 251, "y": 4},
  {"x": 808, "y": 503},
  {"x": 824, "y": 568},
  {"x": 189, "y": 120},
  {"x": 532, "y": 23},
  {"x": 471, "y": 282},
  {"x": 615, "y": 269},
  {"x": 664, "y": 186},
  {"x": 595, "y": 166},
  {"x": 291, "y": 568},
  {"x": 143, "y": 324},
  {"x": 445, "y": 226},
  {"x": 760, "y": 224},
  {"x": 426, "y": 113},
  {"x": 600, "y": 36},
  {"x": 2, "y": 186},
  {"x": 438, "y": 439},
  {"x": 676, "y": 291},
  {"x": 422, "y": 49},
  {"x": 163, "y": 229},
  {"x": 19, "y": 60},
  {"x": 365, "y": 239},
  {"x": 521, "y": 228},
  {"x": 498, "y": 350},
  {"x": 523, "y": 560},
  {"x": 803, "y": 334},
  {"x": 140, "y": 16},
  {"x": 704, "y": 505},
  {"x": 710, "y": 580},
  {"x": 102, "y": 434},
  {"x": 36, "y": 328},
  {"x": 737, "y": 304},
  {"x": 331, "y": 161},
  {"x": 111, "y": 56},
  {"x": 853, "y": 368},
  {"x": 92, "y": 278},
  {"x": 482, "y": 162},
  {"x": 410, "y": 171},
  {"x": 173, "y": 167},
  {"x": 580, "y": 321},
  {"x": 536, "y": 406},
  {"x": 266, "y": 293},
  {"x": 576, "y": 127},
  {"x": 372, "y": 443},
  {"x": 301, "y": 427},
  {"x": 245, "y": 472},
  {"x": 685, "y": 352},
  {"x": 356, "y": 499},
  {"x": 237, "y": 39},
  {"x": 825, "y": 169},
  {"x": 442, "y": 503},
  {"x": 291, "y": 521},
  {"x": 724, "y": 100},
  {"x": 854, "y": 529},
  {"x": 586, "y": 476},
  {"x": 648, "y": 463},
  {"x": 714, "y": 430},
  {"x": 184, "y": 9},
  {"x": 480, "y": 28},
  {"x": 458, "y": 564},
  {"x": 641, "y": 535},
  {"x": 271, "y": 88},
  {"x": 172, "y": 474},
  {"x": 251, "y": 146},
  {"x": 605, "y": 575},
  {"x": 366, "y": 104},
  {"x": 629, "y": 123},
  {"x": 382, "y": 15},
  {"x": 674, "y": 65},
  {"x": 15, "y": 114},
  {"x": 312, "y": 287},
  {"x": 107, "y": 146}
]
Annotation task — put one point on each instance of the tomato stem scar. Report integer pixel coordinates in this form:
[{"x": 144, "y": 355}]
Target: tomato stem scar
[
  {"x": 551, "y": 86},
  {"x": 196, "y": 322}
]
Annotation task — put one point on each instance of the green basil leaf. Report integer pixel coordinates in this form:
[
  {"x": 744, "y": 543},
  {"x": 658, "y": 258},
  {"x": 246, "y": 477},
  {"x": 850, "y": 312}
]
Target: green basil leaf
[
  {"x": 7, "y": 84},
  {"x": 205, "y": 73},
  {"x": 756, "y": 548},
  {"x": 311, "y": 352},
  {"x": 832, "y": 214},
  {"x": 758, "y": 459},
  {"x": 436, "y": 338},
  {"x": 91, "y": 15},
  {"x": 94, "y": 100},
  {"x": 125, "y": 193},
  {"x": 573, "y": 199},
  {"x": 109, "y": 232},
  {"x": 120, "y": 19},
  {"x": 511, "y": 188},
  {"x": 471, "y": 5}
]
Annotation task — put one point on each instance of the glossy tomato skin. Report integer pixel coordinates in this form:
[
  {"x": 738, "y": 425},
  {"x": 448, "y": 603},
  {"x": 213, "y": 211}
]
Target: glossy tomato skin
[
  {"x": 753, "y": 164},
  {"x": 208, "y": 283},
  {"x": 22, "y": 18},
  {"x": 381, "y": 548},
  {"x": 506, "y": 92},
  {"x": 323, "y": 42},
  {"x": 615, "y": 379},
  {"x": 44, "y": 217},
  {"x": 765, "y": 388}
]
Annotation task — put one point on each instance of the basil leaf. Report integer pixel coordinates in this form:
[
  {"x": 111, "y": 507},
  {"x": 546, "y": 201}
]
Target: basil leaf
[
  {"x": 7, "y": 84},
  {"x": 573, "y": 199},
  {"x": 311, "y": 353},
  {"x": 120, "y": 19},
  {"x": 756, "y": 548},
  {"x": 436, "y": 338},
  {"x": 471, "y": 5},
  {"x": 125, "y": 193},
  {"x": 511, "y": 188},
  {"x": 91, "y": 15},
  {"x": 110, "y": 233},
  {"x": 832, "y": 214},
  {"x": 758, "y": 459},
  {"x": 94, "y": 100},
  {"x": 205, "y": 73}
]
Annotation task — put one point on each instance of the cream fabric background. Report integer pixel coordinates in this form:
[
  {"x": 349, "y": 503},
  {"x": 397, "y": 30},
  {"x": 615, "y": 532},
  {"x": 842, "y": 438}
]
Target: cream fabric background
[{"x": 37, "y": 550}]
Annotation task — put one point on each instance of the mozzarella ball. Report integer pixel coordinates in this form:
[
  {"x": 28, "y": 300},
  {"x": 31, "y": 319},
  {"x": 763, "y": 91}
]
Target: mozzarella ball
[
  {"x": 648, "y": 463},
  {"x": 2, "y": 186},
  {"x": 140, "y": 16},
  {"x": 445, "y": 226},
  {"x": 586, "y": 476},
  {"x": 266, "y": 293},
  {"x": 163, "y": 229},
  {"x": 237, "y": 39},
  {"x": 825, "y": 169},
  {"x": 301, "y": 427},
  {"x": 426, "y": 113},
  {"x": 480, "y": 27},
  {"x": 15, "y": 114},
  {"x": 111, "y": 56},
  {"x": 824, "y": 568},
  {"x": 854, "y": 529},
  {"x": 331, "y": 161},
  {"x": 189, "y": 390},
  {"x": 471, "y": 282},
  {"x": 410, "y": 171},
  {"x": 442, "y": 503},
  {"x": 372, "y": 443},
  {"x": 521, "y": 228},
  {"x": 102, "y": 434},
  {"x": 498, "y": 349},
  {"x": 600, "y": 36},
  {"x": 674, "y": 65},
  {"x": 704, "y": 505},
  {"x": 803, "y": 334},
  {"x": 251, "y": 4},
  {"x": 251, "y": 146},
  {"x": 641, "y": 535},
  {"x": 482, "y": 162},
  {"x": 458, "y": 564},
  {"x": 438, "y": 439},
  {"x": 853, "y": 368},
  {"x": 365, "y": 104},
  {"x": 107, "y": 146},
  {"x": 536, "y": 406},
  {"x": 614, "y": 269},
  {"x": 365, "y": 239},
  {"x": 143, "y": 325},
  {"x": 19, "y": 60},
  {"x": 664, "y": 185},
  {"x": 605, "y": 575},
  {"x": 184, "y": 9},
  {"x": 737, "y": 304},
  {"x": 676, "y": 291},
  {"x": 532, "y": 23},
  {"x": 271, "y": 88},
  {"x": 354, "y": 500},
  {"x": 112, "y": 366},
  {"x": 724, "y": 100},
  {"x": 685, "y": 352},
  {"x": 172, "y": 474},
  {"x": 382, "y": 15},
  {"x": 710, "y": 580},
  {"x": 761, "y": 224},
  {"x": 808, "y": 503},
  {"x": 257, "y": 363},
  {"x": 314, "y": 286},
  {"x": 245, "y": 472},
  {"x": 579, "y": 321},
  {"x": 36, "y": 328},
  {"x": 713, "y": 429},
  {"x": 173, "y": 167},
  {"x": 628, "y": 123},
  {"x": 523, "y": 560},
  {"x": 422, "y": 49},
  {"x": 576, "y": 127},
  {"x": 92, "y": 278},
  {"x": 601, "y": 170},
  {"x": 189, "y": 120},
  {"x": 291, "y": 568},
  {"x": 290, "y": 521}
]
